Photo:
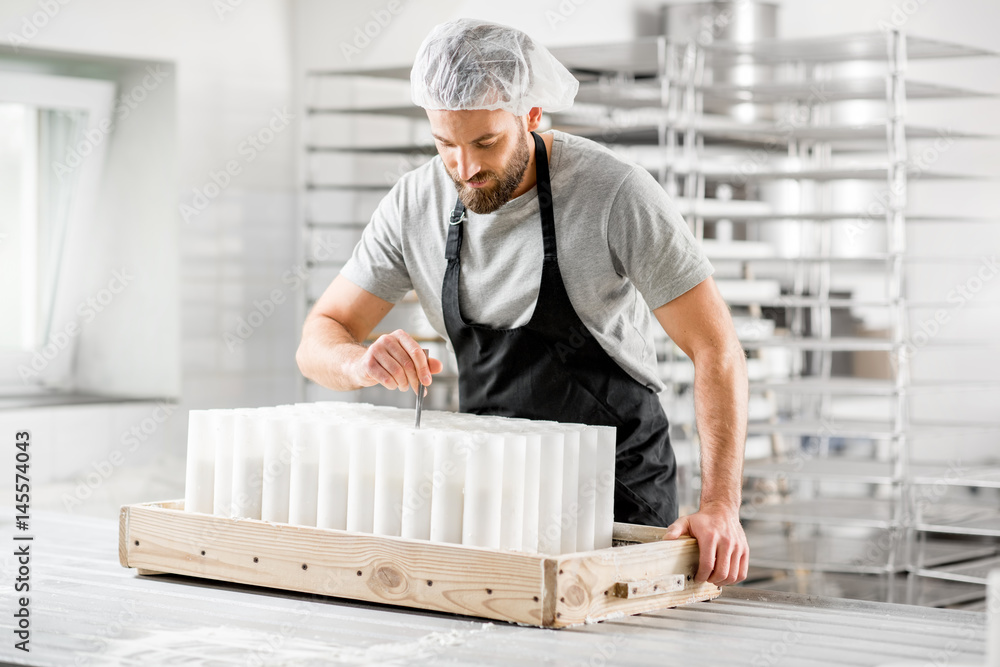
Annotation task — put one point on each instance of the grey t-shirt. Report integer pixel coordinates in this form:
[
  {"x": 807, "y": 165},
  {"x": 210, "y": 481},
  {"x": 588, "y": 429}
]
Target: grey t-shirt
[{"x": 623, "y": 249}]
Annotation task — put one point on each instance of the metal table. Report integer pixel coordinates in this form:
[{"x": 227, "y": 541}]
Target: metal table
[{"x": 88, "y": 610}]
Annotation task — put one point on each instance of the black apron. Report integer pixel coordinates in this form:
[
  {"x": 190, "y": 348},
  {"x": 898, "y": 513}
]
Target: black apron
[{"x": 552, "y": 368}]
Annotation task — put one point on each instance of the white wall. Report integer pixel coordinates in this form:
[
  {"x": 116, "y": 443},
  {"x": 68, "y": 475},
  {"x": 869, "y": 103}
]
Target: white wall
[{"x": 232, "y": 73}]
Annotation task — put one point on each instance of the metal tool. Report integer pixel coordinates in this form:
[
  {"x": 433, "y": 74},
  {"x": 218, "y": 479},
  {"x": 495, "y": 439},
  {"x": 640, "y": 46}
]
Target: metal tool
[{"x": 421, "y": 392}]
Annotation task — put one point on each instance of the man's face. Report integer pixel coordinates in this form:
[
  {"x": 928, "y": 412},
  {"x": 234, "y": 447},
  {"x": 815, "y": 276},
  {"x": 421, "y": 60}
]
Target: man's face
[{"x": 485, "y": 152}]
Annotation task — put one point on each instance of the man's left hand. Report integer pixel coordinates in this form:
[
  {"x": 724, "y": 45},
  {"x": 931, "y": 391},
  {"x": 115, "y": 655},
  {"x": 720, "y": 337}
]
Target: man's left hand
[{"x": 725, "y": 555}]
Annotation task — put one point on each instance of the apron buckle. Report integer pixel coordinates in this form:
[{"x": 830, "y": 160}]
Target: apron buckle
[{"x": 453, "y": 221}]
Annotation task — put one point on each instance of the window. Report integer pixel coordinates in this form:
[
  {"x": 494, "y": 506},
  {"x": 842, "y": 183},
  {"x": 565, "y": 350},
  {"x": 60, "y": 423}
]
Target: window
[{"x": 51, "y": 157}]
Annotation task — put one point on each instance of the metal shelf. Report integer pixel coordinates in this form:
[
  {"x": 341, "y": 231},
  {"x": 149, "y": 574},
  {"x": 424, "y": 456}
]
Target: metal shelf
[
  {"x": 958, "y": 519},
  {"x": 870, "y": 173},
  {"x": 928, "y": 592},
  {"x": 348, "y": 186},
  {"x": 833, "y": 344},
  {"x": 649, "y": 93},
  {"x": 970, "y": 572},
  {"x": 325, "y": 224},
  {"x": 423, "y": 149},
  {"x": 642, "y": 57},
  {"x": 864, "y": 386},
  {"x": 402, "y": 110},
  {"x": 862, "y": 512},
  {"x": 980, "y": 476},
  {"x": 401, "y": 72},
  {"x": 858, "y": 470},
  {"x": 827, "y": 553},
  {"x": 873, "y": 430}
]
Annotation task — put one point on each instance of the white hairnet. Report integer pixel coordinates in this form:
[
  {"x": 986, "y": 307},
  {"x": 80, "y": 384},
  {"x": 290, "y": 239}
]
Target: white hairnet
[{"x": 470, "y": 64}]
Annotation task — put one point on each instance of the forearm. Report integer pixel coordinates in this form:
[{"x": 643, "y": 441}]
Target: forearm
[
  {"x": 721, "y": 393},
  {"x": 328, "y": 354}
]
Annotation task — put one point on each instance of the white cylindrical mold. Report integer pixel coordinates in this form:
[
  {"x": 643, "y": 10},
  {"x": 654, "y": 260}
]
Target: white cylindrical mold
[
  {"x": 532, "y": 477},
  {"x": 570, "y": 491},
  {"x": 276, "y": 428},
  {"x": 483, "y": 492},
  {"x": 390, "y": 462},
  {"x": 604, "y": 501},
  {"x": 418, "y": 483},
  {"x": 334, "y": 466},
  {"x": 224, "y": 422},
  {"x": 361, "y": 478},
  {"x": 447, "y": 500},
  {"x": 307, "y": 433},
  {"x": 587, "y": 491},
  {"x": 512, "y": 492},
  {"x": 993, "y": 619},
  {"x": 199, "y": 482},
  {"x": 550, "y": 491},
  {"x": 248, "y": 465}
]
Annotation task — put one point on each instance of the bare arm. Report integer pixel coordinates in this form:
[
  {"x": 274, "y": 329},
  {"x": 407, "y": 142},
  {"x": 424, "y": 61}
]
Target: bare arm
[
  {"x": 331, "y": 352},
  {"x": 699, "y": 322}
]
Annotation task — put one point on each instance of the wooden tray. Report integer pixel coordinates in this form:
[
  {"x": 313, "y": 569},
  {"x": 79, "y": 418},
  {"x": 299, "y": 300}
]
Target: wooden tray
[{"x": 642, "y": 574}]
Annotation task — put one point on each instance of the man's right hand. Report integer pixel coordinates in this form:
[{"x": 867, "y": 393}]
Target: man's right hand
[{"x": 395, "y": 361}]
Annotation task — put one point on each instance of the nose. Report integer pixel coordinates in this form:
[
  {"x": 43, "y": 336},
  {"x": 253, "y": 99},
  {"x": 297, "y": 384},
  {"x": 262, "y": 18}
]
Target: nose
[{"x": 466, "y": 164}]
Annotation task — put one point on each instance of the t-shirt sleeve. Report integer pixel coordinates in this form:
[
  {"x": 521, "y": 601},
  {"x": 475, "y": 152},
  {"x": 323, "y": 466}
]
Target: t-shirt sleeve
[
  {"x": 377, "y": 264},
  {"x": 650, "y": 242}
]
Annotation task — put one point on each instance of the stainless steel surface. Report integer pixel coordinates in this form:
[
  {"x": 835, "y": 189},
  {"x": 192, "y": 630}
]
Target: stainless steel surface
[
  {"x": 875, "y": 588},
  {"x": 88, "y": 610},
  {"x": 971, "y": 572},
  {"x": 981, "y": 476},
  {"x": 868, "y": 554},
  {"x": 740, "y": 22},
  {"x": 421, "y": 393},
  {"x": 862, "y": 512},
  {"x": 960, "y": 519},
  {"x": 640, "y": 56}
]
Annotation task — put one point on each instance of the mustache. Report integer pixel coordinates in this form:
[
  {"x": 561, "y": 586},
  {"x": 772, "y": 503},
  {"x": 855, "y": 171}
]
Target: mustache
[{"x": 480, "y": 177}]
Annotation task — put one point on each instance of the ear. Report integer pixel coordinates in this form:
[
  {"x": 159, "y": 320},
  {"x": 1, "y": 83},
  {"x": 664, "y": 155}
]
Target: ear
[{"x": 534, "y": 118}]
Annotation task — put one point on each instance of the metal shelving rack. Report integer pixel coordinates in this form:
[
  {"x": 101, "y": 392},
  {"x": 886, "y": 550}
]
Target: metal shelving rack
[
  {"x": 835, "y": 493},
  {"x": 655, "y": 93},
  {"x": 344, "y": 181}
]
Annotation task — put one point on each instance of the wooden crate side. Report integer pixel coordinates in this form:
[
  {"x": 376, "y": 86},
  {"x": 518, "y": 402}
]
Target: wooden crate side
[
  {"x": 358, "y": 566},
  {"x": 587, "y": 581},
  {"x": 635, "y": 533},
  {"x": 123, "y": 535}
]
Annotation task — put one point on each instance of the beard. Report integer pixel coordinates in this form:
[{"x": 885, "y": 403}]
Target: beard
[{"x": 491, "y": 197}]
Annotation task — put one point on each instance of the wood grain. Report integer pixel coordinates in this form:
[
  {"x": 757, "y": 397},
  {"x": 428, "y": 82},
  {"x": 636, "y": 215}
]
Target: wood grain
[
  {"x": 587, "y": 581},
  {"x": 533, "y": 589},
  {"x": 360, "y": 566}
]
